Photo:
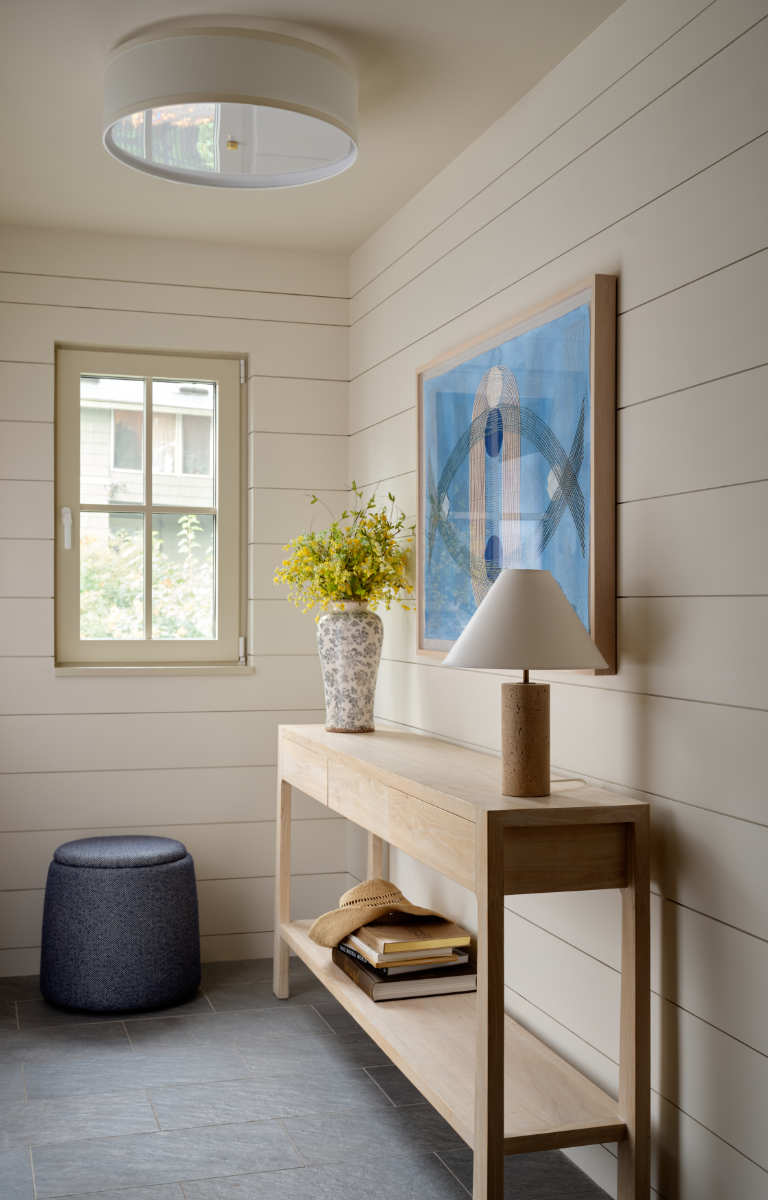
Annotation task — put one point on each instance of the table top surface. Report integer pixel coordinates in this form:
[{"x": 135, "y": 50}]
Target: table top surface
[{"x": 457, "y": 779}]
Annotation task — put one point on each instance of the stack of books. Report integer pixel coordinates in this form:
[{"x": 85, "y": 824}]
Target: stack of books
[{"x": 410, "y": 958}]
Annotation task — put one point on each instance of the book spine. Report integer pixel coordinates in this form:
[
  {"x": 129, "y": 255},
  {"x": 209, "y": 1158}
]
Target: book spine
[
  {"x": 358, "y": 957},
  {"x": 350, "y": 968}
]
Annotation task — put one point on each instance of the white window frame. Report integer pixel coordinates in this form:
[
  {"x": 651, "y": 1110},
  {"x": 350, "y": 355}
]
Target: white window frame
[{"x": 225, "y": 648}]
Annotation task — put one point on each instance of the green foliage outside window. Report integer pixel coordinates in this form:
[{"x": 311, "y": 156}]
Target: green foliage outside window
[{"x": 112, "y": 585}]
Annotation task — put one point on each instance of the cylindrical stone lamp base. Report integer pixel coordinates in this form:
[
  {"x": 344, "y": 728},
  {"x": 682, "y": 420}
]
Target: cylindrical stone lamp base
[{"x": 525, "y": 739}]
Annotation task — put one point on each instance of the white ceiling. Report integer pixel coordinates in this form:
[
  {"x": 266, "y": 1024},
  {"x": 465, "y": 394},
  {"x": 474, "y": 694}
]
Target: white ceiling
[{"x": 433, "y": 75}]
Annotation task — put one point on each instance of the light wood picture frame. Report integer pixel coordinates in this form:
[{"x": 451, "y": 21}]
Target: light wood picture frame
[{"x": 517, "y": 464}]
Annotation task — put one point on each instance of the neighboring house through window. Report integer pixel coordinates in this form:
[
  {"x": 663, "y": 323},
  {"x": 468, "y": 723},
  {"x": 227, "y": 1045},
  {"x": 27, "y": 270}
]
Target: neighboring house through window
[{"x": 147, "y": 484}]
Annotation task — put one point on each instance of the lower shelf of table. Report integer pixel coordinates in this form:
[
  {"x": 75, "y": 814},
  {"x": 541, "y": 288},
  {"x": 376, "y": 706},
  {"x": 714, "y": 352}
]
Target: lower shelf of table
[{"x": 548, "y": 1104}]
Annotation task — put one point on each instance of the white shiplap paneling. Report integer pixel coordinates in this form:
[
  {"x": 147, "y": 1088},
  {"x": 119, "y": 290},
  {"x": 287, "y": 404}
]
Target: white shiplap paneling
[
  {"x": 26, "y": 392},
  {"x": 26, "y": 509},
  {"x": 26, "y": 568},
  {"x": 29, "y": 686},
  {"x": 645, "y": 155},
  {"x": 194, "y": 753},
  {"x": 297, "y": 406}
]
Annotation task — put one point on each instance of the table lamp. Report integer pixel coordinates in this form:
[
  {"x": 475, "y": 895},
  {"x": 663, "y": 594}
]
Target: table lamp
[{"x": 525, "y": 622}]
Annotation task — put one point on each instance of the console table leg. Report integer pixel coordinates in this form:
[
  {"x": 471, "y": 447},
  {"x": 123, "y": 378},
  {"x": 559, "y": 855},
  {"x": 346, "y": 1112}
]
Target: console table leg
[
  {"x": 634, "y": 1064},
  {"x": 281, "y": 961},
  {"x": 488, "y": 1174},
  {"x": 377, "y": 856}
]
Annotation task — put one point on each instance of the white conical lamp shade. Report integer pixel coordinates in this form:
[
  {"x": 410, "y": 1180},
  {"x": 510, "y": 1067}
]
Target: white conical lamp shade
[{"x": 525, "y": 622}]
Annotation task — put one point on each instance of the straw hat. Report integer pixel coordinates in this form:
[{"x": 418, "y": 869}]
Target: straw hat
[{"x": 360, "y": 905}]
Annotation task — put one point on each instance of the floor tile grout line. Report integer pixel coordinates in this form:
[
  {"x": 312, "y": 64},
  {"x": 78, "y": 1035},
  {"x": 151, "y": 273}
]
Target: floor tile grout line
[
  {"x": 171, "y": 1016},
  {"x": 323, "y": 1019},
  {"x": 138, "y": 1090},
  {"x": 452, "y": 1173},
  {"x": 80, "y": 1195},
  {"x": 32, "y": 1170},
  {"x": 303, "y": 1162},
  {"x": 154, "y": 1133},
  {"x": 367, "y": 1071},
  {"x": 151, "y": 1104}
]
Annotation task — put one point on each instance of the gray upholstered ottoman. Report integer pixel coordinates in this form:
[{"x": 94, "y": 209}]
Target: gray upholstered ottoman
[{"x": 120, "y": 927}]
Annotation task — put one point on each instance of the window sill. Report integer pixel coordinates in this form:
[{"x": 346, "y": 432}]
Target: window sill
[{"x": 125, "y": 669}]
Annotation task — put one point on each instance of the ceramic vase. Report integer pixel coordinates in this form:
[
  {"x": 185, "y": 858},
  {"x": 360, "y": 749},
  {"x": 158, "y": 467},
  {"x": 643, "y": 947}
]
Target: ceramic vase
[{"x": 349, "y": 640}]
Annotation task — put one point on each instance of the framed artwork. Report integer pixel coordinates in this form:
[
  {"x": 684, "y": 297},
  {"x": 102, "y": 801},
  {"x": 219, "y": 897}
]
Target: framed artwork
[{"x": 517, "y": 465}]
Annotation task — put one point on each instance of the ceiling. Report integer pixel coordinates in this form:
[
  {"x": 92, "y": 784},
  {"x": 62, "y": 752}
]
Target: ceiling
[{"x": 433, "y": 75}]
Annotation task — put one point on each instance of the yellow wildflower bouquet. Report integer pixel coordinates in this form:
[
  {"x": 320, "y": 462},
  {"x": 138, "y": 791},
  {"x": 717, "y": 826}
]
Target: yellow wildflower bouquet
[{"x": 362, "y": 556}]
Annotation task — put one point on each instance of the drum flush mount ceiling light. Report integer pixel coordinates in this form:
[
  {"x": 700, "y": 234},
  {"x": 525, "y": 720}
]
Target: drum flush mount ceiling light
[{"x": 240, "y": 108}]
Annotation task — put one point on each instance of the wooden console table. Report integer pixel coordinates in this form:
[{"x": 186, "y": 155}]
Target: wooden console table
[{"x": 503, "y": 1090}]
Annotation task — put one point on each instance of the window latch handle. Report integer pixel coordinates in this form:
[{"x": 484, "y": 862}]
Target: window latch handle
[{"x": 66, "y": 520}]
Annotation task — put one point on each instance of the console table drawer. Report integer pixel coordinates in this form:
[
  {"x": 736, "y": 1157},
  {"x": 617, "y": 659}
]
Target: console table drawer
[
  {"x": 433, "y": 836},
  {"x": 304, "y": 769}
]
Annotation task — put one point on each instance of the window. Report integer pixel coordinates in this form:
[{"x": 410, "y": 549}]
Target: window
[{"x": 148, "y": 543}]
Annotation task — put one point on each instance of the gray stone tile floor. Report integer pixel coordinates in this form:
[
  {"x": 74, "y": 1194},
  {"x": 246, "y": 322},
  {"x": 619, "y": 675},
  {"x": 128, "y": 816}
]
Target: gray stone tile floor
[{"x": 232, "y": 1096}]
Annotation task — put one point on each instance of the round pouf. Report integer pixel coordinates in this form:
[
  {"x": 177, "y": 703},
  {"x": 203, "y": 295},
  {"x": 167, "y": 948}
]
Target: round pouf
[{"x": 120, "y": 926}]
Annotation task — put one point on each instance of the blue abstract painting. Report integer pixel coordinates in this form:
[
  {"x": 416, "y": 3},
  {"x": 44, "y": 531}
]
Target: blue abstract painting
[{"x": 505, "y": 470}]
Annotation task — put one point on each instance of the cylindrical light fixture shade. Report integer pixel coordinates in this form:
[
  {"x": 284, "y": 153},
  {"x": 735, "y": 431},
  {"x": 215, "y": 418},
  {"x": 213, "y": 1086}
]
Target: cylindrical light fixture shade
[{"x": 230, "y": 108}]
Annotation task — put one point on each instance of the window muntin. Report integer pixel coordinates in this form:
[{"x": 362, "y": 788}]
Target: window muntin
[{"x": 153, "y": 573}]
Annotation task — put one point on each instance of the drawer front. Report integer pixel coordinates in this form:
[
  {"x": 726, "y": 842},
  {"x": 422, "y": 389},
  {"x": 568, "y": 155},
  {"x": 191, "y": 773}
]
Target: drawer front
[
  {"x": 304, "y": 770},
  {"x": 565, "y": 858},
  {"x": 434, "y": 837}
]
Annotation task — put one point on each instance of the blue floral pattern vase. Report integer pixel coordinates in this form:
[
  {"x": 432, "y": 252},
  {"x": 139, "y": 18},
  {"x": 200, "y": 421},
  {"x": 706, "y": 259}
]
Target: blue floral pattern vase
[{"x": 349, "y": 640}]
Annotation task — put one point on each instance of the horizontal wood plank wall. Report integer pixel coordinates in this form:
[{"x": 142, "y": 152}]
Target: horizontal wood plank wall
[
  {"x": 192, "y": 758},
  {"x": 644, "y": 154}
]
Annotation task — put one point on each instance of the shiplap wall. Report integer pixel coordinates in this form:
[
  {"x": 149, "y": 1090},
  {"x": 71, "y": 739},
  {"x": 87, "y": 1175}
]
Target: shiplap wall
[
  {"x": 189, "y": 757},
  {"x": 644, "y": 154}
]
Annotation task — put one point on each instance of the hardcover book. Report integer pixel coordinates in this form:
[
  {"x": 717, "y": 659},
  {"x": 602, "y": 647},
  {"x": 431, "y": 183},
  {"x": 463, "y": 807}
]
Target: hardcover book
[
  {"x": 385, "y": 937},
  {"x": 392, "y": 964},
  {"x": 418, "y": 983},
  {"x": 377, "y": 959}
]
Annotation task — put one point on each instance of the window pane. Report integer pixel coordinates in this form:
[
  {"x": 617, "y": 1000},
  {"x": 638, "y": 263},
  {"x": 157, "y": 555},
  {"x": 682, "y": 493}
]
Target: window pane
[
  {"x": 126, "y": 445},
  {"x": 183, "y": 576},
  {"x": 111, "y": 440},
  {"x": 183, "y": 423},
  {"x": 196, "y": 444},
  {"x": 111, "y": 576}
]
